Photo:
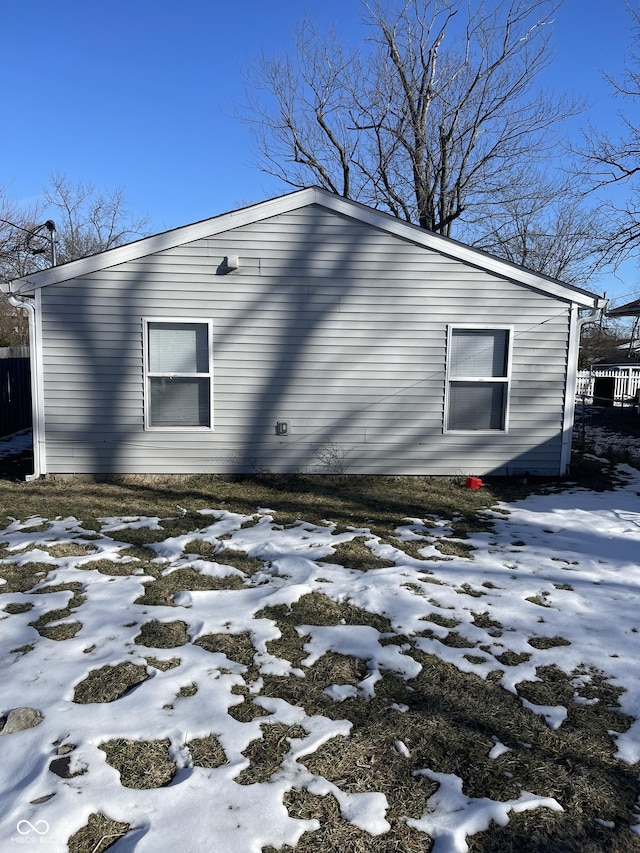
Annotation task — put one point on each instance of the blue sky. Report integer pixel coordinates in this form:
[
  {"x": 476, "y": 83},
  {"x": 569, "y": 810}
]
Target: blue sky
[{"x": 141, "y": 94}]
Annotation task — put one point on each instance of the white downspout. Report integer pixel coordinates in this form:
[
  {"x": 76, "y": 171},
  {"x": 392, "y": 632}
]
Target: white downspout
[
  {"x": 37, "y": 387},
  {"x": 572, "y": 378}
]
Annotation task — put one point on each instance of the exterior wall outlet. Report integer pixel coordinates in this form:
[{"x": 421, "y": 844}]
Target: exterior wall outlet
[{"x": 282, "y": 428}]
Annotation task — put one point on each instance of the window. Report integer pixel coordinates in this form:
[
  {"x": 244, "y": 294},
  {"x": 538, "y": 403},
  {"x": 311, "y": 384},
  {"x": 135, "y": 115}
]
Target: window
[
  {"x": 178, "y": 374},
  {"x": 478, "y": 369}
]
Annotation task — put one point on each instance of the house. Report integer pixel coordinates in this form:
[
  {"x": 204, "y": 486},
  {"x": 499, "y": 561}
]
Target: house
[
  {"x": 629, "y": 309},
  {"x": 306, "y": 333},
  {"x": 616, "y": 381}
]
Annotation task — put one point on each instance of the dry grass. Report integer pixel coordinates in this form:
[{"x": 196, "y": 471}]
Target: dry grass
[
  {"x": 454, "y": 548},
  {"x": 443, "y": 621},
  {"x": 110, "y": 567},
  {"x": 336, "y": 835},
  {"x": 547, "y": 642},
  {"x": 63, "y": 630},
  {"x": 266, "y": 753},
  {"x": 162, "y": 590},
  {"x": 412, "y": 548},
  {"x": 109, "y": 683},
  {"x": 23, "y": 650},
  {"x": 356, "y": 555},
  {"x": 237, "y": 647},
  {"x": 317, "y": 609},
  {"x": 18, "y": 608},
  {"x": 246, "y": 711},
  {"x": 510, "y": 658},
  {"x": 187, "y": 690},
  {"x": 70, "y": 549},
  {"x": 467, "y": 589},
  {"x": 98, "y": 835},
  {"x": 162, "y": 635},
  {"x": 163, "y": 665},
  {"x": 22, "y": 578},
  {"x": 206, "y": 752},
  {"x": 141, "y": 764},
  {"x": 380, "y": 502},
  {"x": 483, "y": 620},
  {"x": 239, "y": 560}
]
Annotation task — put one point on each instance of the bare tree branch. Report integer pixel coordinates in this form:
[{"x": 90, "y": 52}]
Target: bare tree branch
[
  {"x": 609, "y": 162},
  {"x": 431, "y": 119},
  {"x": 87, "y": 222}
]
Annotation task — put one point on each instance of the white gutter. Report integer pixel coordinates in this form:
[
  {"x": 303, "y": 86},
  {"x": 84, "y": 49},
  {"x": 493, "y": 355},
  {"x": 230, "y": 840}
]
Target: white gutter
[
  {"x": 576, "y": 324},
  {"x": 37, "y": 388}
]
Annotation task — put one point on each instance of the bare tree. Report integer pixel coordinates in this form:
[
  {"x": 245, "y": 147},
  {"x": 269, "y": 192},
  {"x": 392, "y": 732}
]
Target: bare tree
[
  {"x": 431, "y": 121},
  {"x": 610, "y": 161},
  {"x": 603, "y": 342},
  {"x": 21, "y": 238},
  {"x": 21, "y": 245},
  {"x": 543, "y": 225},
  {"x": 307, "y": 135},
  {"x": 89, "y": 221}
]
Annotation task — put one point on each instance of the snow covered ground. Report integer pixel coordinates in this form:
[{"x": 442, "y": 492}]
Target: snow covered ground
[{"x": 557, "y": 565}]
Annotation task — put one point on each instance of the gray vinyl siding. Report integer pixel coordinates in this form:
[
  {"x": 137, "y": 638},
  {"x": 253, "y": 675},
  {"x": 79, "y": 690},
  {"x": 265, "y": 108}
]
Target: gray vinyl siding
[{"x": 330, "y": 324}]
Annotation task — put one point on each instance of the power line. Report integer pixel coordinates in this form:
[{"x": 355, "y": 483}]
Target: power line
[
  {"x": 13, "y": 225},
  {"x": 49, "y": 225},
  {"x": 31, "y": 232}
]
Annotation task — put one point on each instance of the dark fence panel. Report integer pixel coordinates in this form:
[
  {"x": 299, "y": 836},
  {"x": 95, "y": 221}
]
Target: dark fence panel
[{"x": 15, "y": 390}]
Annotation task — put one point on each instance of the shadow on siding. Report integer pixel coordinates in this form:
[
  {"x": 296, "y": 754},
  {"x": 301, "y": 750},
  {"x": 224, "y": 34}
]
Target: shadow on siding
[{"x": 362, "y": 385}]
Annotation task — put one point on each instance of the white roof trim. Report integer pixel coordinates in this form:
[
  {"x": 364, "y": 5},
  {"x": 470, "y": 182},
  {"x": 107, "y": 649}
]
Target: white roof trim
[{"x": 284, "y": 204}]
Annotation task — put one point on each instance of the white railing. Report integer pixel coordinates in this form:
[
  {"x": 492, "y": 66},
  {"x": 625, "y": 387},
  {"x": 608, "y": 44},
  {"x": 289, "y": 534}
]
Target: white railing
[{"x": 618, "y": 386}]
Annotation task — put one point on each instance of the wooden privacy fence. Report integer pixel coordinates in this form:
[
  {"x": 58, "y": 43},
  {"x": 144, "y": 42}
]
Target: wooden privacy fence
[
  {"x": 15, "y": 390},
  {"x": 610, "y": 386}
]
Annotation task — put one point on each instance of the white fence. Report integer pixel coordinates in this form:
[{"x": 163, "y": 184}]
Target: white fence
[{"x": 610, "y": 386}]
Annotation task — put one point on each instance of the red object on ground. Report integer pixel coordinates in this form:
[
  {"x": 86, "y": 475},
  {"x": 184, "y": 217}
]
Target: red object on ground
[{"x": 474, "y": 483}]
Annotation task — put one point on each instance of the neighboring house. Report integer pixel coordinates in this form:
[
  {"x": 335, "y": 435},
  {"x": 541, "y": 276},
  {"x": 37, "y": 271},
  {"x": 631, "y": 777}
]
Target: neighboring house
[
  {"x": 629, "y": 309},
  {"x": 629, "y": 349},
  {"x": 616, "y": 381},
  {"x": 306, "y": 333}
]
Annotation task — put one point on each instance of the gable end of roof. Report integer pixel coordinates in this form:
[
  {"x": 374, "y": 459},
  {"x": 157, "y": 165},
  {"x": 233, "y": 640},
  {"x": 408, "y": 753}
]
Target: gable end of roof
[{"x": 286, "y": 204}]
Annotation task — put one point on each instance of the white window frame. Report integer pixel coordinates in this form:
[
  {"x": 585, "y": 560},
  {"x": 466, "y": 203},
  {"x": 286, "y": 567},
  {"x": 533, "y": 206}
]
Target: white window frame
[
  {"x": 505, "y": 380},
  {"x": 148, "y": 374}
]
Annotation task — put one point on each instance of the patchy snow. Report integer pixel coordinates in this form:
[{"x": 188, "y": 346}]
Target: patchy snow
[
  {"x": 603, "y": 438},
  {"x": 499, "y": 748},
  {"x": 562, "y": 565},
  {"x": 451, "y": 816}
]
